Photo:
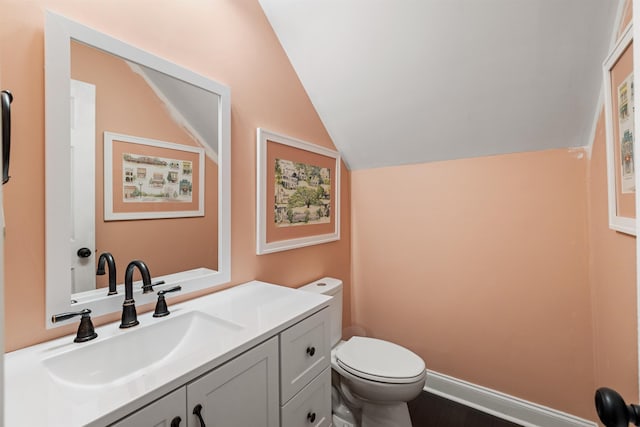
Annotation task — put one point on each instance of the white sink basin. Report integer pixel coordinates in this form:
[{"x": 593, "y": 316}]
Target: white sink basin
[{"x": 131, "y": 352}]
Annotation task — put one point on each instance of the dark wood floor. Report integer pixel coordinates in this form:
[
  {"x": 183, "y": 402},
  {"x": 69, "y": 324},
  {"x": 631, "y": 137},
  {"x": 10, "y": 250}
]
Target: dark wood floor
[{"x": 430, "y": 410}]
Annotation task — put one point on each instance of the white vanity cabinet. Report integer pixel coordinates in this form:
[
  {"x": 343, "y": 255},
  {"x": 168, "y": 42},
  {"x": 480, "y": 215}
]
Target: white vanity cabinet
[
  {"x": 285, "y": 381},
  {"x": 241, "y": 392},
  {"x": 305, "y": 373}
]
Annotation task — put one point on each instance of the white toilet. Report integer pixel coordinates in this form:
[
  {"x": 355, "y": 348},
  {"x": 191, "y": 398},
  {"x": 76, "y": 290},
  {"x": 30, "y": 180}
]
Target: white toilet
[{"x": 375, "y": 378}]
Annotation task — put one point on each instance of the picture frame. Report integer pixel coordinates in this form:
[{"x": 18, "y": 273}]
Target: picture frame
[
  {"x": 150, "y": 179},
  {"x": 298, "y": 193},
  {"x": 620, "y": 130}
]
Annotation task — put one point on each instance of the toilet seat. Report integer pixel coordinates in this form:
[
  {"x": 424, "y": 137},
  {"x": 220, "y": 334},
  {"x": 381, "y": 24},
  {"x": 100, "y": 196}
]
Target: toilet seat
[{"x": 381, "y": 361}]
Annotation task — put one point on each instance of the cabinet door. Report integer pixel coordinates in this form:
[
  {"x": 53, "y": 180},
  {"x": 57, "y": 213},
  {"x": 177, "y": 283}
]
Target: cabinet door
[
  {"x": 242, "y": 392},
  {"x": 312, "y": 406},
  {"x": 168, "y": 411},
  {"x": 305, "y": 352}
]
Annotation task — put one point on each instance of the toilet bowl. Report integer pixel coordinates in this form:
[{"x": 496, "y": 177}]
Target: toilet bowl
[{"x": 375, "y": 378}]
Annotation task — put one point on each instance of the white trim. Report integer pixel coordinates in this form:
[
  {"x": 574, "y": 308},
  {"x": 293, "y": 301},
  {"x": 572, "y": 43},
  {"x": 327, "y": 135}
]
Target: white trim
[
  {"x": 616, "y": 222},
  {"x": 501, "y": 405},
  {"x": 262, "y": 246}
]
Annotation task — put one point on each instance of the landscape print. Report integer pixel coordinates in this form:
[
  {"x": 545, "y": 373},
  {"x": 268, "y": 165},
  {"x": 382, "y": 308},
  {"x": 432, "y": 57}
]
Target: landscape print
[
  {"x": 302, "y": 194},
  {"x": 156, "y": 179}
]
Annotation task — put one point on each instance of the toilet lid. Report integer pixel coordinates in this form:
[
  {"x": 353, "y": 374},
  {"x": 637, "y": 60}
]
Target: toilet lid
[{"x": 379, "y": 360}]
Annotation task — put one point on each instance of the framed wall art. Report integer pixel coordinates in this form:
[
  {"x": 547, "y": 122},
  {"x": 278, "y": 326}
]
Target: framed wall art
[
  {"x": 146, "y": 178},
  {"x": 298, "y": 193},
  {"x": 620, "y": 130}
]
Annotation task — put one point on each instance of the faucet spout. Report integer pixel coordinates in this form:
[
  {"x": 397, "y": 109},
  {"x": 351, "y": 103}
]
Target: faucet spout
[
  {"x": 129, "y": 315},
  {"x": 111, "y": 264}
]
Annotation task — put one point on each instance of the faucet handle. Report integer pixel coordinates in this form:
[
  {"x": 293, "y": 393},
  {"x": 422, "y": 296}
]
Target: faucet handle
[
  {"x": 161, "y": 306},
  {"x": 149, "y": 288},
  {"x": 86, "y": 331}
]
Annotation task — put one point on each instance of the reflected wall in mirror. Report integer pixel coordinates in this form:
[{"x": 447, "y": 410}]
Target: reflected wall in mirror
[
  {"x": 96, "y": 84},
  {"x": 135, "y": 100}
]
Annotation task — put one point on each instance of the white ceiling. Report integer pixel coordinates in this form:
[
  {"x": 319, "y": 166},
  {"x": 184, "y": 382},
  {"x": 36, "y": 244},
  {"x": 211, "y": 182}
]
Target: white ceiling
[{"x": 412, "y": 81}]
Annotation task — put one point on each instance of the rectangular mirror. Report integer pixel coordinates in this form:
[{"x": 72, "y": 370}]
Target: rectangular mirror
[{"x": 137, "y": 166}]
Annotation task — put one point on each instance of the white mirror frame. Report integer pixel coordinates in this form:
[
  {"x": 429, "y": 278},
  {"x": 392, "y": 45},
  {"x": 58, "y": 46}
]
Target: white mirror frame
[{"x": 59, "y": 31}]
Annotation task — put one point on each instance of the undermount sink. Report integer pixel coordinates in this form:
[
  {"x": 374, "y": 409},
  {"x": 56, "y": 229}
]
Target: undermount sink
[{"x": 131, "y": 352}]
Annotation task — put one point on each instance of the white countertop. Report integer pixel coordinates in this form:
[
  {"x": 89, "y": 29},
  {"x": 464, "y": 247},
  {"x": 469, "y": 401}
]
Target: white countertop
[{"x": 34, "y": 398}]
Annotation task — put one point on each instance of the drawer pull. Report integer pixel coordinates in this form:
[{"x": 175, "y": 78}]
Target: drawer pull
[
  {"x": 176, "y": 422},
  {"x": 311, "y": 417},
  {"x": 311, "y": 351},
  {"x": 196, "y": 412}
]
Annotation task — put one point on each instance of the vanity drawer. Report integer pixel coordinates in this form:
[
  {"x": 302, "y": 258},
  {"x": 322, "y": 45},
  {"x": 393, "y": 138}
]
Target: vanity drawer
[
  {"x": 312, "y": 406},
  {"x": 304, "y": 353}
]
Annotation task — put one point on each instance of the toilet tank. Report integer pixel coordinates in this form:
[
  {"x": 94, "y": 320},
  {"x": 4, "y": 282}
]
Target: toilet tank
[{"x": 333, "y": 288}]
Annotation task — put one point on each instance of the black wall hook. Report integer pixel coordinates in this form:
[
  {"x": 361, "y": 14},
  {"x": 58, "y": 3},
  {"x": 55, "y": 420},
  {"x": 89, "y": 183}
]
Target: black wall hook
[{"x": 6, "y": 98}]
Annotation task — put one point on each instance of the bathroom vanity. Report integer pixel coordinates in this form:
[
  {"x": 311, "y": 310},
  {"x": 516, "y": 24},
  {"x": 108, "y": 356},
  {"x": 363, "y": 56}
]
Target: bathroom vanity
[{"x": 253, "y": 355}]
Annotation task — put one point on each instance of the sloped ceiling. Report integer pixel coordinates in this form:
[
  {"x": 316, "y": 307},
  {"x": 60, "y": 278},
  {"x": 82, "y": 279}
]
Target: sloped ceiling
[
  {"x": 412, "y": 81},
  {"x": 192, "y": 107}
]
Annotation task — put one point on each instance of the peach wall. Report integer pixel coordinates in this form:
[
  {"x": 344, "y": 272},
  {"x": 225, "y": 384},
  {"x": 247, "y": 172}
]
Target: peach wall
[
  {"x": 228, "y": 40},
  {"x": 612, "y": 275},
  {"x": 480, "y": 268}
]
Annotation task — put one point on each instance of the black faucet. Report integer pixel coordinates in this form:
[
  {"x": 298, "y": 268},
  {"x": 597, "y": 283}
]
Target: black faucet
[
  {"x": 86, "y": 332},
  {"x": 111, "y": 264},
  {"x": 129, "y": 315}
]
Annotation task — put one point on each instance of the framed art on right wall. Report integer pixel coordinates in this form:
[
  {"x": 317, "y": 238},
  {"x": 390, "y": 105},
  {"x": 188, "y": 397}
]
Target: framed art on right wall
[
  {"x": 298, "y": 193},
  {"x": 620, "y": 130}
]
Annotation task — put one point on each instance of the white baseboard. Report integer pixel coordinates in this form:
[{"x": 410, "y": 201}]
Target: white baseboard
[{"x": 499, "y": 404}]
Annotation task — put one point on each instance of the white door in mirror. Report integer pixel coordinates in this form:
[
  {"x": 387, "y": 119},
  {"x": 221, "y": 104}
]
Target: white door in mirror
[{"x": 83, "y": 142}]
